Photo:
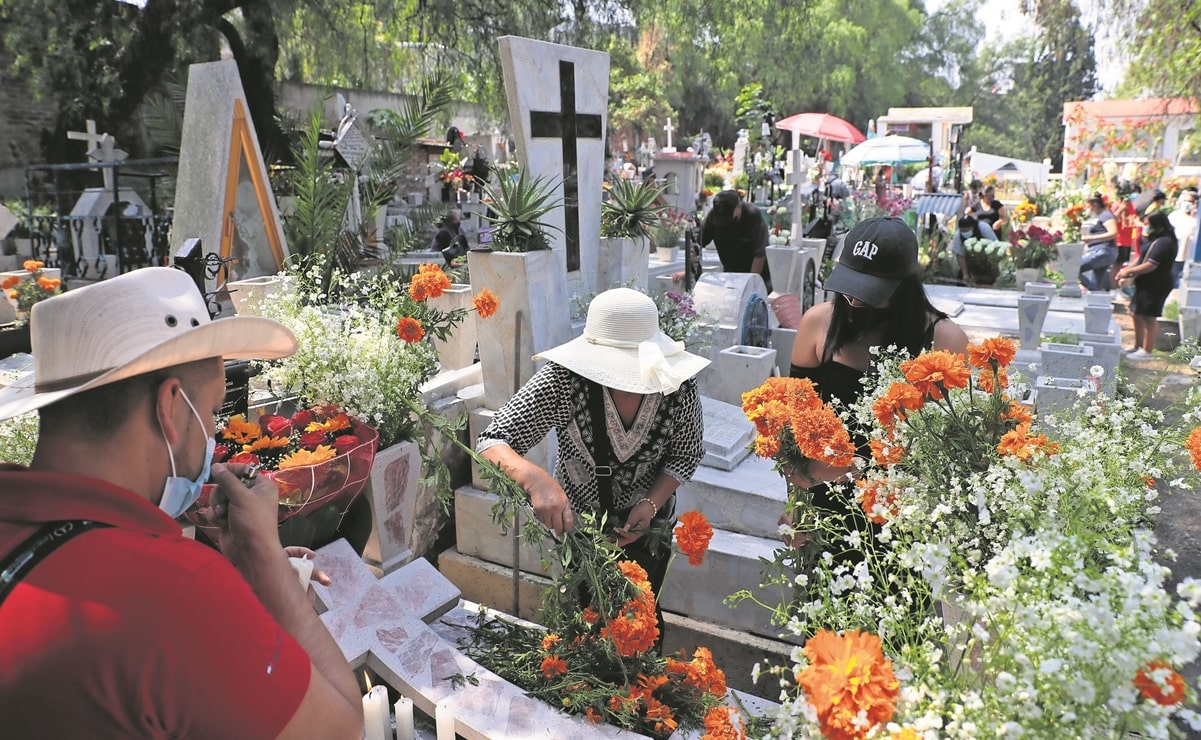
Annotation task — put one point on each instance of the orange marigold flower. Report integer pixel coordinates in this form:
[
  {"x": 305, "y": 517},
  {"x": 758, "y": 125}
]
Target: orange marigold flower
[
  {"x": 635, "y": 628},
  {"x": 879, "y": 501},
  {"x": 719, "y": 724},
  {"x": 9, "y": 282},
  {"x": 693, "y": 534},
  {"x": 848, "y": 676},
  {"x": 428, "y": 284},
  {"x": 1160, "y": 683},
  {"x": 820, "y": 435},
  {"x": 1018, "y": 412},
  {"x": 934, "y": 373},
  {"x": 996, "y": 352},
  {"x": 32, "y": 265},
  {"x": 593, "y": 716},
  {"x": 990, "y": 382},
  {"x": 549, "y": 642},
  {"x": 660, "y": 714},
  {"x": 335, "y": 423},
  {"x": 766, "y": 446},
  {"x": 49, "y": 284},
  {"x": 410, "y": 329},
  {"x": 891, "y": 407},
  {"x": 300, "y": 458},
  {"x": 1018, "y": 443},
  {"x": 429, "y": 267},
  {"x": 701, "y": 673},
  {"x": 485, "y": 303},
  {"x": 12, "y": 294},
  {"x": 636, "y": 573},
  {"x": 1193, "y": 445},
  {"x": 589, "y": 615},
  {"x": 239, "y": 431},
  {"x": 887, "y": 452},
  {"x": 267, "y": 444},
  {"x": 418, "y": 289},
  {"x": 553, "y": 666}
]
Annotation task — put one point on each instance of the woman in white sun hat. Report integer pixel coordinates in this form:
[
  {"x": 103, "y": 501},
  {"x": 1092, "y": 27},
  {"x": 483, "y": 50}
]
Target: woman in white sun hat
[{"x": 627, "y": 378}]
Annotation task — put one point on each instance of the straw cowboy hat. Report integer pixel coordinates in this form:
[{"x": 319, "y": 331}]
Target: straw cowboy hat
[
  {"x": 141, "y": 321},
  {"x": 622, "y": 347}
]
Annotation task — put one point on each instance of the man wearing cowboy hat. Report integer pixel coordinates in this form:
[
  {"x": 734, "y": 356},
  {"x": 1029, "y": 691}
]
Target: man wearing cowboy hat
[{"x": 112, "y": 624}]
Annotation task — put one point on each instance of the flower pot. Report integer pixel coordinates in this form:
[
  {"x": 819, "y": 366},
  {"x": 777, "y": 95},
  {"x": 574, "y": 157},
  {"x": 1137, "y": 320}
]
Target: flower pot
[
  {"x": 1069, "y": 265},
  {"x": 533, "y": 315},
  {"x": 1024, "y": 275},
  {"x": 622, "y": 261},
  {"x": 48, "y": 272},
  {"x": 668, "y": 254},
  {"x": 247, "y": 294}
]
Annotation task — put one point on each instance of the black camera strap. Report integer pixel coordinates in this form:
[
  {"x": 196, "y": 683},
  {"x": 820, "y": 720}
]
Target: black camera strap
[{"x": 37, "y": 547}]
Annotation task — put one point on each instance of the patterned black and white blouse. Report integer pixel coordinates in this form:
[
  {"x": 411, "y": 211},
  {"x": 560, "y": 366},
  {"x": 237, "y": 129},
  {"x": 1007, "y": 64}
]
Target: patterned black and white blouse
[{"x": 666, "y": 436}]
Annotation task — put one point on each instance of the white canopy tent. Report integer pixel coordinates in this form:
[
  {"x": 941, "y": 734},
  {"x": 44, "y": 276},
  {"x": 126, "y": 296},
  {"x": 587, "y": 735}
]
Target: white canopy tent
[{"x": 982, "y": 165}]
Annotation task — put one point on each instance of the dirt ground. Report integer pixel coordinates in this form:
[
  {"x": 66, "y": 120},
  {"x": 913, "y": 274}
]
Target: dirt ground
[{"x": 1179, "y": 525}]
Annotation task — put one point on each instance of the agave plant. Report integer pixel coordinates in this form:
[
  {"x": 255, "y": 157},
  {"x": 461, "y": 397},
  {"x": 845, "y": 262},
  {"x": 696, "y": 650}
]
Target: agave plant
[
  {"x": 517, "y": 206},
  {"x": 631, "y": 210}
]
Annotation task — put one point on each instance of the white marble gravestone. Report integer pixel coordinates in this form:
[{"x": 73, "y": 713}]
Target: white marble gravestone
[
  {"x": 223, "y": 195},
  {"x": 558, "y": 106},
  {"x": 1032, "y": 312},
  {"x": 1069, "y": 265}
]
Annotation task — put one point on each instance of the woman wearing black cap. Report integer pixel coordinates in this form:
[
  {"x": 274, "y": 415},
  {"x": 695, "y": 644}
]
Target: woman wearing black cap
[{"x": 881, "y": 302}]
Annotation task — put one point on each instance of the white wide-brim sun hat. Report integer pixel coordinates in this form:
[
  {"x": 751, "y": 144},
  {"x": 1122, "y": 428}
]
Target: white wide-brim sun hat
[
  {"x": 132, "y": 324},
  {"x": 622, "y": 347}
]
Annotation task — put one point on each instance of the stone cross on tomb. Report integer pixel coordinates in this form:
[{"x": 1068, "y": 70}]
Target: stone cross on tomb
[
  {"x": 384, "y": 624},
  {"x": 669, "y": 130},
  {"x": 568, "y": 125},
  {"x": 101, "y": 148}
]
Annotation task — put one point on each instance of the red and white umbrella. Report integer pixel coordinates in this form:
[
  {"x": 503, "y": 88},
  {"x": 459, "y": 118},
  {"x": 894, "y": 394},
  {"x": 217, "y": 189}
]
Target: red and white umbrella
[{"x": 822, "y": 126}]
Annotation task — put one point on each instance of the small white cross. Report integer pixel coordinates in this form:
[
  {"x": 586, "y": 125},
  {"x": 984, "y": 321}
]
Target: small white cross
[
  {"x": 668, "y": 128},
  {"x": 91, "y": 136}
]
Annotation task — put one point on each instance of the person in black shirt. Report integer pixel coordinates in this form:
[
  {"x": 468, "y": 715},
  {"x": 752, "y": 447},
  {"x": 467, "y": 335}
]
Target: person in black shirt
[
  {"x": 450, "y": 240},
  {"x": 740, "y": 233},
  {"x": 1152, "y": 281}
]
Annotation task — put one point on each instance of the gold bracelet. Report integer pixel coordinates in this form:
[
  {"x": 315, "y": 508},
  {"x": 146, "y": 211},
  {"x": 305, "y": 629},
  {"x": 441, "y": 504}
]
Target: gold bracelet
[{"x": 654, "y": 506}]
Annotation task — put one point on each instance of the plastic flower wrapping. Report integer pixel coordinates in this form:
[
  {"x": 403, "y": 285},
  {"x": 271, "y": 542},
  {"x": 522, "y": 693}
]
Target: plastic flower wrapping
[
  {"x": 992, "y": 572},
  {"x": 316, "y": 457}
]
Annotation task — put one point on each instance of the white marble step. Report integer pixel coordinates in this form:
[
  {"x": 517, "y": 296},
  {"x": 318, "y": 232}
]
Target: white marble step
[{"x": 748, "y": 499}]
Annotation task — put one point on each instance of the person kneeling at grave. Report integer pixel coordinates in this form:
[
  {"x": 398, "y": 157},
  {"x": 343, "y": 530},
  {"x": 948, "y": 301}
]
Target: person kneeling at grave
[
  {"x": 623, "y": 399},
  {"x": 112, "y": 623}
]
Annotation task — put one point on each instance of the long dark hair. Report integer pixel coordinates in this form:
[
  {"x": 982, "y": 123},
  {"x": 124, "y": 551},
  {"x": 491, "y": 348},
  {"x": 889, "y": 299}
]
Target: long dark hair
[
  {"x": 904, "y": 322},
  {"x": 1159, "y": 225}
]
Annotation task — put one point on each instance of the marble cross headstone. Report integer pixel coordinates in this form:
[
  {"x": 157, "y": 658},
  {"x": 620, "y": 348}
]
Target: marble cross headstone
[
  {"x": 101, "y": 148},
  {"x": 558, "y": 98},
  {"x": 669, "y": 131}
]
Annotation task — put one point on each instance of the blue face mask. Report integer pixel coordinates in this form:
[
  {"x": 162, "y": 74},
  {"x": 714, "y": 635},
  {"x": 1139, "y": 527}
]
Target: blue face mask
[{"x": 178, "y": 492}]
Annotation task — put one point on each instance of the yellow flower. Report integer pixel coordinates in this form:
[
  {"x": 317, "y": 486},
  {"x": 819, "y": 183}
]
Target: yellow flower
[
  {"x": 239, "y": 431},
  {"x": 300, "y": 458}
]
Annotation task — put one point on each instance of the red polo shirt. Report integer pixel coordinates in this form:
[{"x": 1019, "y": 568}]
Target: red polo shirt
[{"x": 133, "y": 630}]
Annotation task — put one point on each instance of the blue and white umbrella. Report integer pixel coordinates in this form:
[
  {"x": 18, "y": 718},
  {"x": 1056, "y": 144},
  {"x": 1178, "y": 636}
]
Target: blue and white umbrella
[{"x": 887, "y": 150}]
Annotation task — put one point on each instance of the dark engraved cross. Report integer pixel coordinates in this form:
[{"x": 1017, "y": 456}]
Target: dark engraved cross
[{"x": 568, "y": 126}]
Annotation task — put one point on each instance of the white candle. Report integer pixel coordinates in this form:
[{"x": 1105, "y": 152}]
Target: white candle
[
  {"x": 375, "y": 713},
  {"x": 404, "y": 719},
  {"x": 445, "y": 719}
]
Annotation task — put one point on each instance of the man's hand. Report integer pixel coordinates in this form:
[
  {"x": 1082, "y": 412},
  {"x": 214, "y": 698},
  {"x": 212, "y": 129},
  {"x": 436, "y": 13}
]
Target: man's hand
[
  {"x": 245, "y": 514},
  {"x": 318, "y": 575}
]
